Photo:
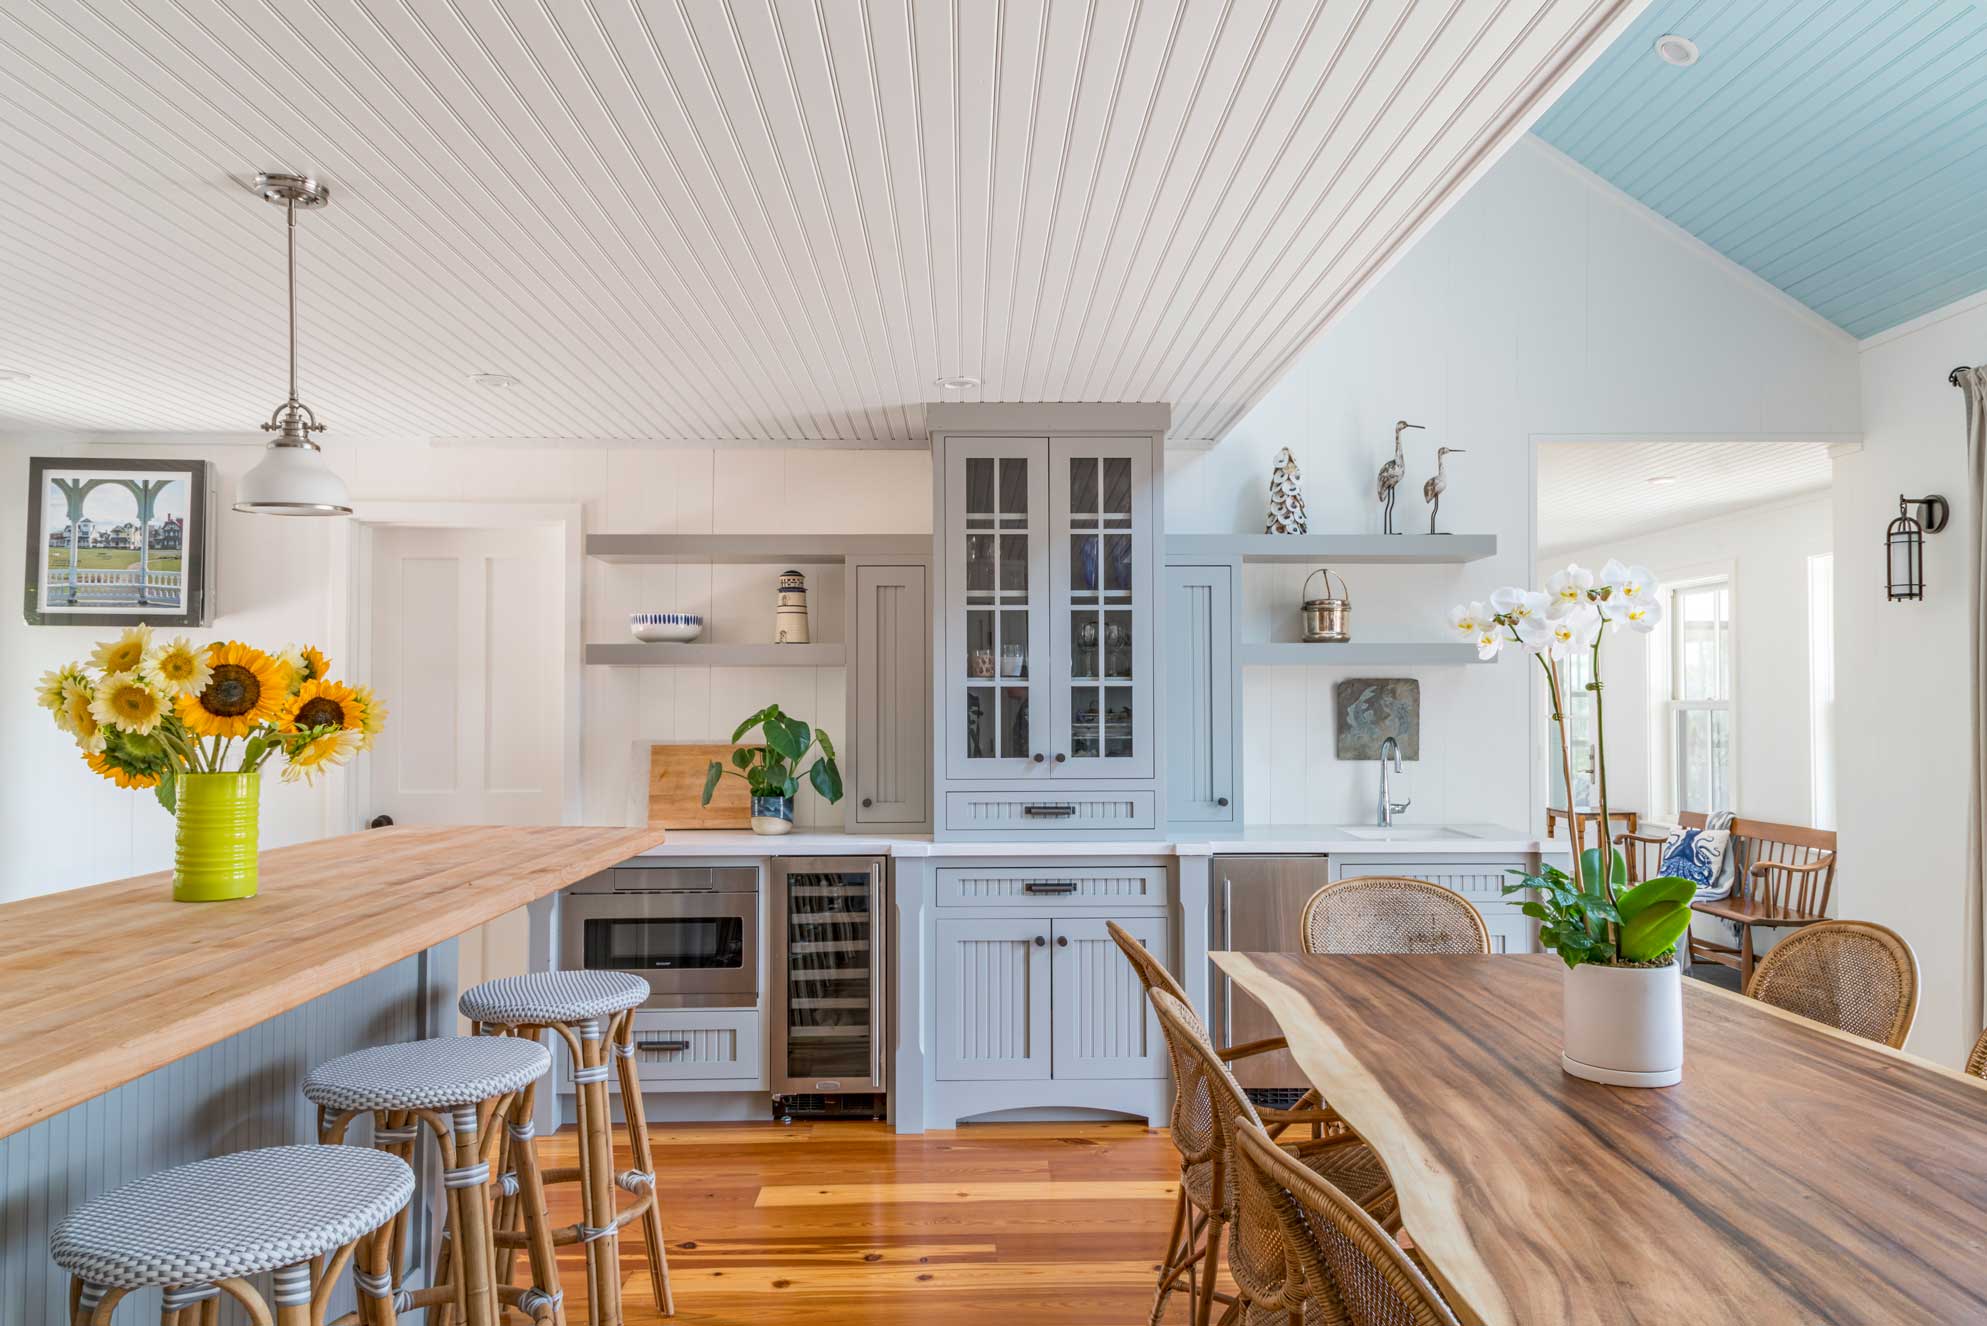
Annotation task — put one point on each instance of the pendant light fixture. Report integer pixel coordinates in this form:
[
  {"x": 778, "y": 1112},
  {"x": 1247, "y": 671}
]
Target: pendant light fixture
[{"x": 292, "y": 478}]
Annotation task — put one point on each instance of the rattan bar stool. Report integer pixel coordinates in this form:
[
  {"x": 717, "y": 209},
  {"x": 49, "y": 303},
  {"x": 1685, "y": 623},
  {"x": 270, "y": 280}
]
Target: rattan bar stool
[
  {"x": 459, "y": 1088},
  {"x": 198, "y": 1231},
  {"x": 594, "y": 1013}
]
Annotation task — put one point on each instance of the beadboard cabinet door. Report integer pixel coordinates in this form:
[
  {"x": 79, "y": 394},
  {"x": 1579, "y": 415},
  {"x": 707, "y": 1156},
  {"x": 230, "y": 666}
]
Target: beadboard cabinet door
[
  {"x": 890, "y": 681},
  {"x": 1102, "y": 1023},
  {"x": 1201, "y": 760},
  {"x": 993, "y": 999}
]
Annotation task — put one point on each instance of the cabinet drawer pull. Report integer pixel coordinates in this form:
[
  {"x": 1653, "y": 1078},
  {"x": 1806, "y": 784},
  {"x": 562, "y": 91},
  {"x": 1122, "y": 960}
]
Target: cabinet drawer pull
[
  {"x": 662, "y": 1047},
  {"x": 1049, "y": 886},
  {"x": 1049, "y": 812},
  {"x": 1041, "y": 941},
  {"x": 867, "y": 803},
  {"x": 1219, "y": 801},
  {"x": 1062, "y": 941}
]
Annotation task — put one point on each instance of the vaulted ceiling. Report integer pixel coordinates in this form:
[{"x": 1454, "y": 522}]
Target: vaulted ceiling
[
  {"x": 1837, "y": 148},
  {"x": 1590, "y": 491},
  {"x": 724, "y": 219}
]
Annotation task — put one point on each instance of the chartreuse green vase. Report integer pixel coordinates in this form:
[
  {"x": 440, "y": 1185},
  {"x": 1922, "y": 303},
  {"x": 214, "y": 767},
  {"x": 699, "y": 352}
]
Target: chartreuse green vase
[{"x": 214, "y": 848}]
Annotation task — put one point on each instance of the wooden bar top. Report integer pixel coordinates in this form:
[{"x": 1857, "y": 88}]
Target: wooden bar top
[
  {"x": 103, "y": 984},
  {"x": 1796, "y": 1174}
]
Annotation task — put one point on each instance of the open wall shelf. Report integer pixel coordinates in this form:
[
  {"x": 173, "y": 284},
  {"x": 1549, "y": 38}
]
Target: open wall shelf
[
  {"x": 635, "y": 654},
  {"x": 1330, "y": 549},
  {"x": 756, "y": 549},
  {"x": 1354, "y": 653}
]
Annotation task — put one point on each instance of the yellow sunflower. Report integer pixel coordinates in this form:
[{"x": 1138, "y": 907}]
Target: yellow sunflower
[
  {"x": 125, "y": 702},
  {"x": 52, "y": 691},
  {"x": 320, "y": 754},
  {"x": 104, "y": 765},
  {"x": 316, "y": 666},
  {"x": 78, "y": 720},
  {"x": 320, "y": 704},
  {"x": 177, "y": 668},
  {"x": 290, "y": 658},
  {"x": 125, "y": 653},
  {"x": 372, "y": 714},
  {"x": 245, "y": 691}
]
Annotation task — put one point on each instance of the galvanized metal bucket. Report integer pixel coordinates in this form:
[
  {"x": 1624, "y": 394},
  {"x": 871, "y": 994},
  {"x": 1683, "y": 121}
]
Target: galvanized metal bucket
[{"x": 1327, "y": 620}]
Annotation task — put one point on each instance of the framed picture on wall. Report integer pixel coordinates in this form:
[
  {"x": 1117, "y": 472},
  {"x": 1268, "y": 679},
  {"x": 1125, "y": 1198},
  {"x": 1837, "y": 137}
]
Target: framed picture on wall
[{"x": 116, "y": 542}]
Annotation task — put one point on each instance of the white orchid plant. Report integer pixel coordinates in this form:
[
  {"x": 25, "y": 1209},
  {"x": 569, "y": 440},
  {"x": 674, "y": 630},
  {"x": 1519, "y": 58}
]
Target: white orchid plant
[{"x": 1590, "y": 916}]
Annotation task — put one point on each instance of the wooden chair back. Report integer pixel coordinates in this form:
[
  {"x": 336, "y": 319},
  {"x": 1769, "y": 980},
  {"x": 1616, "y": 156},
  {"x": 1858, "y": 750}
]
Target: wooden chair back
[
  {"x": 1787, "y": 866},
  {"x": 1343, "y": 1259},
  {"x": 1389, "y": 914},
  {"x": 1856, "y": 976},
  {"x": 1152, "y": 973},
  {"x": 1976, "y": 1063}
]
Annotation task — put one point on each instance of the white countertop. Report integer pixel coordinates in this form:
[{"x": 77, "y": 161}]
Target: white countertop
[{"x": 1261, "y": 840}]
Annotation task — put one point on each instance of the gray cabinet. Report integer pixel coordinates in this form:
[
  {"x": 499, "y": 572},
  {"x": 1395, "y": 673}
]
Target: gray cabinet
[
  {"x": 1043, "y": 997},
  {"x": 1203, "y": 759},
  {"x": 1048, "y": 680},
  {"x": 1481, "y": 879},
  {"x": 889, "y": 697}
]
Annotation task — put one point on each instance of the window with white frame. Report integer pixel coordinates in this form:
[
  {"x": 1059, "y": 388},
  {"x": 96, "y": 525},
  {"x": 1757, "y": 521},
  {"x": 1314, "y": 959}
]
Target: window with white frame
[
  {"x": 1701, "y": 722},
  {"x": 1575, "y": 672},
  {"x": 1821, "y": 689}
]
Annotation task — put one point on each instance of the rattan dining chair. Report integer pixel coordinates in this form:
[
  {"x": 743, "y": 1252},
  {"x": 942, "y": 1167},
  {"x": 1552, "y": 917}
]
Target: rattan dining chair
[
  {"x": 1389, "y": 914},
  {"x": 1338, "y": 1263},
  {"x": 1210, "y": 1106},
  {"x": 1184, "y": 1245},
  {"x": 1976, "y": 1063},
  {"x": 1856, "y": 976}
]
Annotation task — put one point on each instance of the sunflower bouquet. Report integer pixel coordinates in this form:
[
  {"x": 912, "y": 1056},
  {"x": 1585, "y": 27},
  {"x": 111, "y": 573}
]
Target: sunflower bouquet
[{"x": 146, "y": 712}]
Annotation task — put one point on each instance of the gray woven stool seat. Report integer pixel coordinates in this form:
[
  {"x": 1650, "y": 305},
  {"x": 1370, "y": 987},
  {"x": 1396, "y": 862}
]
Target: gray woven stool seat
[
  {"x": 427, "y": 1075},
  {"x": 231, "y": 1216},
  {"x": 546, "y": 997}
]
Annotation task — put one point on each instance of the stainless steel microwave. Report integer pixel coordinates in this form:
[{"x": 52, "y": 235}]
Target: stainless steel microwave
[{"x": 691, "y": 931}]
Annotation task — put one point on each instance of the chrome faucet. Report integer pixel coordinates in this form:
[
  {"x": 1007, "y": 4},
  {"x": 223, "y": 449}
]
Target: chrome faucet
[{"x": 1388, "y": 806}]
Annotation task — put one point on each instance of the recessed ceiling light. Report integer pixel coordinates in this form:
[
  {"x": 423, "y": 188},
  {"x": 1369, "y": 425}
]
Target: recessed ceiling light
[
  {"x": 14, "y": 375},
  {"x": 1661, "y": 479},
  {"x": 1676, "y": 50},
  {"x": 958, "y": 384},
  {"x": 493, "y": 379}
]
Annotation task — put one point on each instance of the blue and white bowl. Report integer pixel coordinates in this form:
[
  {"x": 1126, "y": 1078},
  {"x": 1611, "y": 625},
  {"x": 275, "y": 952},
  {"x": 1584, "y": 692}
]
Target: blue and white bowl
[{"x": 656, "y": 628}]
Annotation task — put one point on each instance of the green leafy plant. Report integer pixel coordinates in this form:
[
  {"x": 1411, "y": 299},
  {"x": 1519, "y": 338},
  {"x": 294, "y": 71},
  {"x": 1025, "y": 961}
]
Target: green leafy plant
[
  {"x": 1606, "y": 923},
  {"x": 773, "y": 768}
]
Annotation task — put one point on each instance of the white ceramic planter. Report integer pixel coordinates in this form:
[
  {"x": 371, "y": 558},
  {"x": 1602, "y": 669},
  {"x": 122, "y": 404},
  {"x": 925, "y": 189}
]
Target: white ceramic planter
[{"x": 1624, "y": 1025}]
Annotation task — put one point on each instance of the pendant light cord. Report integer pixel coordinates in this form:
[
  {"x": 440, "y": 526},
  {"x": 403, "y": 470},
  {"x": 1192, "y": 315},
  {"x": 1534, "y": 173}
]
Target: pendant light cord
[{"x": 290, "y": 225}]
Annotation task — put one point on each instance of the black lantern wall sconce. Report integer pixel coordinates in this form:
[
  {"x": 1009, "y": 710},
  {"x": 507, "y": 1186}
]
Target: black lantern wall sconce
[{"x": 1904, "y": 544}]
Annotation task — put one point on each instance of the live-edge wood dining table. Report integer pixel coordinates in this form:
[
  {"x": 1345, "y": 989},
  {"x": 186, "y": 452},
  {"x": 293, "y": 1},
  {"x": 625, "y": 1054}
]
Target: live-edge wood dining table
[{"x": 1796, "y": 1174}]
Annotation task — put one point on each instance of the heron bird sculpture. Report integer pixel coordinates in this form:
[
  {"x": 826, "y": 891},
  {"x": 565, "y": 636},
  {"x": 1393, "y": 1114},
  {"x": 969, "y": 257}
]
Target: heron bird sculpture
[
  {"x": 1390, "y": 478},
  {"x": 1431, "y": 492}
]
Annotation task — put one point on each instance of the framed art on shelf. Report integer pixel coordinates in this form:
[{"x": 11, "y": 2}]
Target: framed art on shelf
[{"x": 115, "y": 542}]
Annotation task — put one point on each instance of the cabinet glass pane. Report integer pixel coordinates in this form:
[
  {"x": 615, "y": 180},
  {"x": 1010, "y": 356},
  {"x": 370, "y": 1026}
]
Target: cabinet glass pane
[
  {"x": 1117, "y": 644},
  {"x": 1013, "y": 655},
  {"x": 979, "y": 491},
  {"x": 1083, "y": 491},
  {"x": 980, "y": 721},
  {"x": 1014, "y": 563},
  {"x": 1084, "y": 724},
  {"x": 1085, "y": 637},
  {"x": 1014, "y": 722},
  {"x": 1117, "y": 492},
  {"x": 1083, "y": 564},
  {"x": 1117, "y": 722},
  {"x": 1117, "y": 564},
  {"x": 1013, "y": 486},
  {"x": 979, "y": 564},
  {"x": 980, "y": 645}
]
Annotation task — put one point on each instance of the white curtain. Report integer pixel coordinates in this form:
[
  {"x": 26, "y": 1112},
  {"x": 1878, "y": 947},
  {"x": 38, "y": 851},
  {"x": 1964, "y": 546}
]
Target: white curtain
[{"x": 1972, "y": 382}]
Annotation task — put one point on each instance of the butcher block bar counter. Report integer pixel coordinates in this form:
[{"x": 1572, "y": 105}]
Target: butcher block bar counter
[
  {"x": 141, "y": 1032},
  {"x": 105, "y": 983}
]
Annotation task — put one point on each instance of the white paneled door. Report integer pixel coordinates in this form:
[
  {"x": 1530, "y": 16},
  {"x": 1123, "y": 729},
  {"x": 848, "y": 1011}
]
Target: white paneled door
[{"x": 466, "y": 627}]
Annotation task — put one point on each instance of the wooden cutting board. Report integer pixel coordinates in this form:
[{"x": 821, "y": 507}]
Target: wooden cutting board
[{"x": 676, "y": 782}]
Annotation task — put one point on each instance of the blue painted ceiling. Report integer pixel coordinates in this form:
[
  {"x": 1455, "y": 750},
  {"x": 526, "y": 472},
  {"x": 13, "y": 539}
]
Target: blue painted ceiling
[{"x": 1837, "y": 149}]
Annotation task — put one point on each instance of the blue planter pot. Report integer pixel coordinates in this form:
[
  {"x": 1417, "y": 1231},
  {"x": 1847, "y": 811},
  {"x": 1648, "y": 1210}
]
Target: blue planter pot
[{"x": 772, "y": 814}]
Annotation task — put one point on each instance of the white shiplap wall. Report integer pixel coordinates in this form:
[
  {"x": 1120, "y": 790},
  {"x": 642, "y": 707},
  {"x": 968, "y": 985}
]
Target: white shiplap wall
[{"x": 726, "y": 219}]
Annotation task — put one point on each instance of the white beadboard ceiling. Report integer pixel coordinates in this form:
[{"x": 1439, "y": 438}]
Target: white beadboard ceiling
[
  {"x": 1594, "y": 491},
  {"x": 745, "y": 220}
]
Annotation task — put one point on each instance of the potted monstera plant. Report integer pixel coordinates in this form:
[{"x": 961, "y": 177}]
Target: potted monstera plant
[
  {"x": 772, "y": 769},
  {"x": 1623, "y": 992}
]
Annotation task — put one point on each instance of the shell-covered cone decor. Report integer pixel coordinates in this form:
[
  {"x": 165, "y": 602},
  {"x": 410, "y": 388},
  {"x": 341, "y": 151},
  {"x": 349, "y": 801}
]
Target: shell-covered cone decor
[{"x": 1286, "y": 498}]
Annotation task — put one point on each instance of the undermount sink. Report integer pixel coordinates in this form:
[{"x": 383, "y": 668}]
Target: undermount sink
[{"x": 1406, "y": 833}]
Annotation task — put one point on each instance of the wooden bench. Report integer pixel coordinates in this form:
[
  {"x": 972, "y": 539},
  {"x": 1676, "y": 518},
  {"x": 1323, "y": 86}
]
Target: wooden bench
[{"x": 1782, "y": 877}]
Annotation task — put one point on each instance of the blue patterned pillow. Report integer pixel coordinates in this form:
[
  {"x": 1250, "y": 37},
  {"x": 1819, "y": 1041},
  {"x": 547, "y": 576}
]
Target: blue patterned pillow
[{"x": 1700, "y": 856}]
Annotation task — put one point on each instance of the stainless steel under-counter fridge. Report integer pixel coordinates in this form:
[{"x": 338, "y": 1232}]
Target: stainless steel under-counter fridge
[
  {"x": 1255, "y": 905},
  {"x": 830, "y": 987}
]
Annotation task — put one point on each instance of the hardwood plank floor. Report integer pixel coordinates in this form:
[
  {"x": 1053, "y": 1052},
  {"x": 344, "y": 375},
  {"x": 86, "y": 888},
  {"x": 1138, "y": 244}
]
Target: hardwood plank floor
[{"x": 848, "y": 1224}]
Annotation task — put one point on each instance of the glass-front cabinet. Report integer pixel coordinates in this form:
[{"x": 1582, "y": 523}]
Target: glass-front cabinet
[{"x": 1049, "y": 590}]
